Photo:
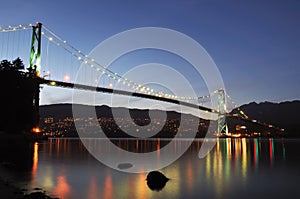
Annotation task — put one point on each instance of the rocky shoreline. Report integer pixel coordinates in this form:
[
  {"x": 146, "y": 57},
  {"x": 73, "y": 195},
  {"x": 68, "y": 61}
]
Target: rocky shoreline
[
  {"x": 9, "y": 190},
  {"x": 19, "y": 158}
]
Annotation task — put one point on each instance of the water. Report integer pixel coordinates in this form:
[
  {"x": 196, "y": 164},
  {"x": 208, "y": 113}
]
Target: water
[{"x": 235, "y": 168}]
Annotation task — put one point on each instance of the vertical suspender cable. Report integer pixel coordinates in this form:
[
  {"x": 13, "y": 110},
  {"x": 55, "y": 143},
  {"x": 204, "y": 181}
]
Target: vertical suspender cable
[{"x": 7, "y": 45}]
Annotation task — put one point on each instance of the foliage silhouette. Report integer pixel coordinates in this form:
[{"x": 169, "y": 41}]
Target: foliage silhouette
[{"x": 19, "y": 91}]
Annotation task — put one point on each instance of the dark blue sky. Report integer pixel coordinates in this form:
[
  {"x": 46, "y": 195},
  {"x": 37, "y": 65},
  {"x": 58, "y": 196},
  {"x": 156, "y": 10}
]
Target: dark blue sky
[{"x": 255, "y": 44}]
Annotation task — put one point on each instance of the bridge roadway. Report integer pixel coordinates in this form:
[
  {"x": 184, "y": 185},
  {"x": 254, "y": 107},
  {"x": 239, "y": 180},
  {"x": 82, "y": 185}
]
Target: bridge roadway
[
  {"x": 146, "y": 96},
  {"x": 125, "y": 93}
]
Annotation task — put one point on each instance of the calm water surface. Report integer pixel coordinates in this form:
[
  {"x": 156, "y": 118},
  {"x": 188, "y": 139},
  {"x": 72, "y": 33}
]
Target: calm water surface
[{"x": 235, "y": 168}]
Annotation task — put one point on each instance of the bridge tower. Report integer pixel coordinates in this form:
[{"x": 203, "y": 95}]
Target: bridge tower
[
  {"x": 35, "y": 66},
  {"x": 35, "y": 50},
  {"x": 222, "y": 124}
]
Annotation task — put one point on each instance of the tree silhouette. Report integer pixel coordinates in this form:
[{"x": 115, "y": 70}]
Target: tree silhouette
[
  {"x": 5, "y": 65},
  {"x": 18, "y": 104},
  {"x": 18, "y": 64}
]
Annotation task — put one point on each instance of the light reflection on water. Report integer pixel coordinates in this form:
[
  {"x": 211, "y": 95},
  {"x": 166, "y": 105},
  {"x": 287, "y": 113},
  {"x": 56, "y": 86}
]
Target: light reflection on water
[{"x": 235, "y": 168}]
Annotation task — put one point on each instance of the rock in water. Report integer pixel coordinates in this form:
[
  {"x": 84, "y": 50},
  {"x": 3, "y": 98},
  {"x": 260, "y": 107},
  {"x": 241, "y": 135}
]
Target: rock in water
[{"x": 156, "y": 181}]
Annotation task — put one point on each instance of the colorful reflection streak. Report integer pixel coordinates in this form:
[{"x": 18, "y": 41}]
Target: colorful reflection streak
[
  {"x": 62, "y": 187},
  {"x": 66, "y": 170},
  {"x": 34, "y": 163},
  {"x": 236, "y": 158}
]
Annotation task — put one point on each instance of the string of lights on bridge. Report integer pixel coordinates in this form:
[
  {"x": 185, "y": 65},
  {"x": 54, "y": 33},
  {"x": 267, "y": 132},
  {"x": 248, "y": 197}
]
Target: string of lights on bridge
[
  {"x": 91, "y": 62},
  {"x": 15, "y": 28}
]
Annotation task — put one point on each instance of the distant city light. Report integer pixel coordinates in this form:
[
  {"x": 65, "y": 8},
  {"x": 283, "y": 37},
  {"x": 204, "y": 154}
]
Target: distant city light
[{"x": 36, "y": 130}]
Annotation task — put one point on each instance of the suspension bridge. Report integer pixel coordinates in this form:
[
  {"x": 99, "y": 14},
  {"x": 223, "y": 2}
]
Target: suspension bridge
[{"x": 14, "y": 40}]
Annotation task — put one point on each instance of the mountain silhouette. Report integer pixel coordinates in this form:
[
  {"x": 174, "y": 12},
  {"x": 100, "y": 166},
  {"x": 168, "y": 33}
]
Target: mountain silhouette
[{"x": 284, "y": 115}]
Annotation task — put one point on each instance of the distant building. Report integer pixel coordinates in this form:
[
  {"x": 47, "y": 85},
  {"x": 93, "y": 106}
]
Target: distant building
[{"x": 48, "y": 120}]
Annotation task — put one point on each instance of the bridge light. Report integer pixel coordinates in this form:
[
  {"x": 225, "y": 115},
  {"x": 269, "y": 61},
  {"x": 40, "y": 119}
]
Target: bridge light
[
  {"x": 110, "y": 85},
  {"x": 66, "y": 78},
  {"x": 53, "y": 83}
]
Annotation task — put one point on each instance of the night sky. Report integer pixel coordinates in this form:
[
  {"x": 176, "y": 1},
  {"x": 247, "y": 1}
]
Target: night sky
[{"x": 255, "y": 44}]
